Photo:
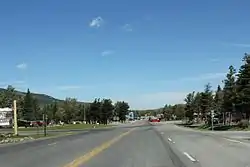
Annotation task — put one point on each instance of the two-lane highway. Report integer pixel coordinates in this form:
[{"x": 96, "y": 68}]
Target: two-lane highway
[
  {"x": 135, "y": 145},
  {"x": 132, "y": 145}
]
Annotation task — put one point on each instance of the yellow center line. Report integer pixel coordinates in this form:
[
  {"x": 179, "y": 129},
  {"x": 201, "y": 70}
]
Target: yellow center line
[{"x": 83, "y": 159}]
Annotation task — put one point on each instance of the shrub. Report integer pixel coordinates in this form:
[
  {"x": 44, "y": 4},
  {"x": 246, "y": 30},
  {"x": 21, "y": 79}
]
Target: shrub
[{"x": 243, "y": 124}]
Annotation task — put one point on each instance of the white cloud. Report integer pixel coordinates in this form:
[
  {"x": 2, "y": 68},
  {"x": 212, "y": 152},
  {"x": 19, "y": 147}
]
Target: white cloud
[
  {"x": 159, "y": 99},
  {"x": 127, "y": 27},
  {"x": 214, "y": 60},
  {"x": 3, "y": 84},
  {"x": 96, "y": 22},
  {"x": 107, "y": 52},
  {"x": 19, "y": 82},
  {"x": 16, "y": 84},
  {"x": 154, "y": 100},
  {"x": 22, "y": 66},
  {"x": 69, "y": 87},
  {"x": 241, "y": 45},
  {"x": 203, "y": 77},
  {"x": 207, "y": 76}
]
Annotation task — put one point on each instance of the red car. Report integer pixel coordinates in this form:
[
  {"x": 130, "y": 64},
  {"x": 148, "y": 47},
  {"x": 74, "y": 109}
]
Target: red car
[
  {"x": 36, "y": 123},
  {"x": 154, "y": 120}
]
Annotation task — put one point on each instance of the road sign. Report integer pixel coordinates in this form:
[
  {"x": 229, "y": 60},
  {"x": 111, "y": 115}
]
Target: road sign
[
  {"x": 212, "y": 120},
  {"x": 212, "y": 113}
]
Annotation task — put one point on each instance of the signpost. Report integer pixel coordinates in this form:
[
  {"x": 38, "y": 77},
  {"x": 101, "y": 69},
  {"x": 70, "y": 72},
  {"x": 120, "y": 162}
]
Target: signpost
[
  {"x": 212, "y": 119},
  {"x": 15, "y": 118}
]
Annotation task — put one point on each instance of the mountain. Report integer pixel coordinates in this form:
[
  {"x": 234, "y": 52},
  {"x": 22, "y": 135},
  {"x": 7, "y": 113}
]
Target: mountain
[{"x": 41, "y": 98}]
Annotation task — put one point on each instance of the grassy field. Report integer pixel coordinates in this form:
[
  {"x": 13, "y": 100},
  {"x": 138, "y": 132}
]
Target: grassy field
[
  {"x": 37, "y": 133},
  {"x": 66, "y": 127},
  {"x": 41, "y": 135},
  {"x": 216, "y": 127}
]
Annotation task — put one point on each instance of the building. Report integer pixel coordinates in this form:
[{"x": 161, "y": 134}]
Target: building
[
  {"x": 130, "y": 116},
  {"x": 6, "y": 117}
]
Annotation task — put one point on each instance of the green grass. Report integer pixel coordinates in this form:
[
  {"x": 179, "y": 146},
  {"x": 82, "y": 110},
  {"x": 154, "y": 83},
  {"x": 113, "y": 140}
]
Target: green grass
[
  {"x": 38, "y": 136},
  {"x": 13, "y": 137},
  {"x": 65, "y": 127},
  {"x": 41, "y": 135},
  {"x": 216, "y": 127},
  {"x": 224, "y": 128}
]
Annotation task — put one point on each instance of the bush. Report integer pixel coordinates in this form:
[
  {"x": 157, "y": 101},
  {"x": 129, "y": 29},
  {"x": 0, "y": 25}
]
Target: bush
[{"x": 243, "y": 124}]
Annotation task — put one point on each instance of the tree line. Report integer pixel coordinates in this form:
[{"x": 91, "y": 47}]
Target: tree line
[
  {"x": 99, "y": 111},
  {"x": 230, "y": 103}
]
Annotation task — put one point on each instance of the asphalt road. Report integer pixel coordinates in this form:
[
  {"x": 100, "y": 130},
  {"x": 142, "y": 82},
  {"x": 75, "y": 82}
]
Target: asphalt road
[
  {"x": 135, "y": 145},
  {"x": 207, "y": 149}
]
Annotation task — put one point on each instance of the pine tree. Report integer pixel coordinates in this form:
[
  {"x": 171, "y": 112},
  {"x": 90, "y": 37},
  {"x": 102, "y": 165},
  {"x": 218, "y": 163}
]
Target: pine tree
[
  {"x": 243, "y": 87},
  {"x": 36, "y": 109},
  {"x": 28, "y": 107},
  {"x": 106, "y": 111},
  {"x": 122, "y": 109},
  {"x": 229, "y": 93},
  {"x": 95, "y": 109},
  {"x": 7, "y": 97},
  {"x": 206, "y": 101},
  {"x": 54, "y": 111},
  {"x": 189, "y": 109},
  {"x": 218, "y": 100}
]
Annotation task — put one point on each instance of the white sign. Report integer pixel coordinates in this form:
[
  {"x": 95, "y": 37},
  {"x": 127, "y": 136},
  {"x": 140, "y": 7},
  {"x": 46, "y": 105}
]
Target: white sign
[
  {"x": 6, "y": 116},
  {"x": 212, "y": 113}
]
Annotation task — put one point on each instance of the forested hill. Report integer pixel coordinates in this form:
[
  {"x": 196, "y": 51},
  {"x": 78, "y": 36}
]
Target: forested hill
[{"x": 41, "y": 98}]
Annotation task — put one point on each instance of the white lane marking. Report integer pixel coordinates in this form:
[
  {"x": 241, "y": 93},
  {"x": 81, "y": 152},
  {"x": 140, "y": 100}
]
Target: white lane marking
[
  {"x": 189, "y": 157},
  {"x": 235, "y": 141},
  {"x": 169, "y": 139},
  {"x": 162, "y": 133},
  {"x": 51, "y": 144}
]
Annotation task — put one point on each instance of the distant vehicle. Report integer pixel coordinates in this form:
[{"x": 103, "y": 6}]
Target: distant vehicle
[
  {"x": 153, "y": 119},
  {"x": 36, "y": 123},
  {"x": 40, "y": 123}
]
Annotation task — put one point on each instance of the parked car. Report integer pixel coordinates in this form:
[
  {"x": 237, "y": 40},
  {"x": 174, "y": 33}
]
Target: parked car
[{"x": 23, "y": 123}]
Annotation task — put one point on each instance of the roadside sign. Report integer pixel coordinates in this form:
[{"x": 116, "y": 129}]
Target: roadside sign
[
  {"x": 212, "y": 119},
  {"x": 212, "y": 113}
]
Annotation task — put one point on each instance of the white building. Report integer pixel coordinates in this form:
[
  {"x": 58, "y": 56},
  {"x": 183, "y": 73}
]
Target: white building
[
  {"x": 6, "y": 117},
  {"x": 130, "y": 116}
]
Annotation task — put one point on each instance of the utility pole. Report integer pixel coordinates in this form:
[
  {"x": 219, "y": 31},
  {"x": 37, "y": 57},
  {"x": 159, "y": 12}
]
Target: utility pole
[
  {"x": 45, "y": 124},
  {"x": 15, "y": 117},
  {"x": 84, "y": 112},
  {"x": 212, "y": 119}
]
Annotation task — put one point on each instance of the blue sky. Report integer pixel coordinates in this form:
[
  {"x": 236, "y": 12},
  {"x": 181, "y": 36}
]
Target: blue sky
[{"x": 149, "y": 54}]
